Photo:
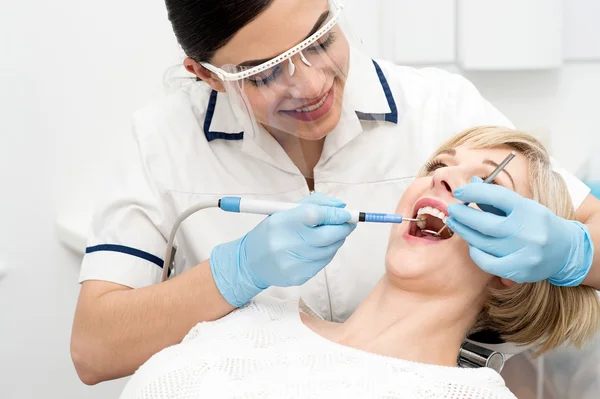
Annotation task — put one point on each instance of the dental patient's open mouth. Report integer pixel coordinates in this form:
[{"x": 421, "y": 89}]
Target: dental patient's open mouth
[{"x": 433, "y": 214}]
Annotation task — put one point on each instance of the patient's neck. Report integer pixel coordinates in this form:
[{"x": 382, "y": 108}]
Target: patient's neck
[{"x": 409, "y": 325}]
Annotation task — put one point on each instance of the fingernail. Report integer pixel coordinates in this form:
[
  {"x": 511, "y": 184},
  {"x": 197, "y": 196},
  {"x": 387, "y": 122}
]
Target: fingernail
[{"x": 476, "y": 179}]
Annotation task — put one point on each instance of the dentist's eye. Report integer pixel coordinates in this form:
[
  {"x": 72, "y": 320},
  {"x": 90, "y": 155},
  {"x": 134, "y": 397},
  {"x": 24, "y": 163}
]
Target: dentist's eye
[{"x": 434, "y": 165}]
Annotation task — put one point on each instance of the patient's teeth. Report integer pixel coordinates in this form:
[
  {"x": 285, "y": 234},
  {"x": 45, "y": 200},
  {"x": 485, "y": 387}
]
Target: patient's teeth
[{"x": 428, "y": 210}]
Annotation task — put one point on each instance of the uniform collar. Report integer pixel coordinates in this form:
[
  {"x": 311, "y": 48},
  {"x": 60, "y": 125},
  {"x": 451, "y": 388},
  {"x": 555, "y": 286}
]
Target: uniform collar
[
  {"x": 367, "y": 94},
  {"x": 368, "y": 91}
]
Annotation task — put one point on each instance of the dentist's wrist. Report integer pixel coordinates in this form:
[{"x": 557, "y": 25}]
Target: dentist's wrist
[
  {"x": 580, "y": 259},
  {"x": 233, "y": 278}
]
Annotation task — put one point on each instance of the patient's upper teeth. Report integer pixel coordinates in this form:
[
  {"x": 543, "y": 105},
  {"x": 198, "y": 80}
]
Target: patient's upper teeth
[{"x": 428, "y": 210}]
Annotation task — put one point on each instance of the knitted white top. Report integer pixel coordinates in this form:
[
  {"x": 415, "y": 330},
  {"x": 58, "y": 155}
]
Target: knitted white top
[{"x": 264, "y": 350}]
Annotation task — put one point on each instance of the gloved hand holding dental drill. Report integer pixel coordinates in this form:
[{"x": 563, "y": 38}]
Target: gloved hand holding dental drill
[
  {"x": 527, "y": 245},
  {"x": 287, "y": 249}
]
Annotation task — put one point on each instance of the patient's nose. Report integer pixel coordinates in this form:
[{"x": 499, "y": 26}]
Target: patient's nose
[{"x": 448, "y": 179}]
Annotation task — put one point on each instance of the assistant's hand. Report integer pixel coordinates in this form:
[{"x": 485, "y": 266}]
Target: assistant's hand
[
  {"x": 286, "y": 249},
  {"x": 530, "y": 244}
]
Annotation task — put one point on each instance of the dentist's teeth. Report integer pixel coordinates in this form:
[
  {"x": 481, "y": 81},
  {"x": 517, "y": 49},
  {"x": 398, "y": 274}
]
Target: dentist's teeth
[{"x": 314, "y": 107}]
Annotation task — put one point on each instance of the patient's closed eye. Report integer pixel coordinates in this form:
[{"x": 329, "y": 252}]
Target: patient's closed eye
[{"x": 434, "y": 165}]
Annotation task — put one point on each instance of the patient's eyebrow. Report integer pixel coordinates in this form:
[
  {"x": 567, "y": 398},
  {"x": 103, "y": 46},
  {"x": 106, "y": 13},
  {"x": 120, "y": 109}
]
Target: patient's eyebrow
[
  {"x": 495, "y": 165},
  {"x": 451, "y": 152}
]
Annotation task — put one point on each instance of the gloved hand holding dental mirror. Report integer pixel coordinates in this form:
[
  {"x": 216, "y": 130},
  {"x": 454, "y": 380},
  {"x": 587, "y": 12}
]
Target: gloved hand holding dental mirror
[{"x": 519, "y": 239}]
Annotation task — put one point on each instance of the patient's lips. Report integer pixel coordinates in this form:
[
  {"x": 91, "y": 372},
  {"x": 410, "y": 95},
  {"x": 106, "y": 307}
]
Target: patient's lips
[{"x": 433, "y": 214}]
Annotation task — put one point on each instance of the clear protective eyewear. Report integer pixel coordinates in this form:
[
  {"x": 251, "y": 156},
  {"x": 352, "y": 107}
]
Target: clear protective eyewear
[{"x": 312, "y": 44}]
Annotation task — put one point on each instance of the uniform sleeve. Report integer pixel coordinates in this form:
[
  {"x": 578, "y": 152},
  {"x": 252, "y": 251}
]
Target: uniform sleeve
[
  {"x": 127, "y": 241},
  {"x": 469, "y": 109}
]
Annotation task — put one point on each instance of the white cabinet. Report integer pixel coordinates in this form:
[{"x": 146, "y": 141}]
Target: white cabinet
[
  {"x": 418, "y": 32},
  {"x": 510, "y": 34},
  {"x": 582, "y": 30}
]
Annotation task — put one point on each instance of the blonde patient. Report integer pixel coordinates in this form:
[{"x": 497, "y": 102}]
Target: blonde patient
[{"x": 404, "y": 338}]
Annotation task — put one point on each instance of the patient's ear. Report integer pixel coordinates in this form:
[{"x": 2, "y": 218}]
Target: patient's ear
[
  {"x": 508, "y": 283},
  {"x": 502, "y": 283}
]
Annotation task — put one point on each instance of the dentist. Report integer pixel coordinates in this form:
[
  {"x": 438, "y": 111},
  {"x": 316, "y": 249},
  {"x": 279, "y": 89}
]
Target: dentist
[{"x": 282, "y": 105}]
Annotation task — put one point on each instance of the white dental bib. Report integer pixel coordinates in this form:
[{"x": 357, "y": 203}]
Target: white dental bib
[{"x": 265, "y": 351}]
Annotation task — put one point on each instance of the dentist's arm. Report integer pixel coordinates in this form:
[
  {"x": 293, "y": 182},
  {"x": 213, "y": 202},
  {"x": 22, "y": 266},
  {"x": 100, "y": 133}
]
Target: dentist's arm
[
  {"x": 589, "y": 214},
  {"x": 117, "y": 329}
]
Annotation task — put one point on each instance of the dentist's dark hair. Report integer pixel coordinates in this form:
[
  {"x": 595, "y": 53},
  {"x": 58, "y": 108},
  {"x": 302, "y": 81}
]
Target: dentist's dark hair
[{"x": 204, "y": 26}]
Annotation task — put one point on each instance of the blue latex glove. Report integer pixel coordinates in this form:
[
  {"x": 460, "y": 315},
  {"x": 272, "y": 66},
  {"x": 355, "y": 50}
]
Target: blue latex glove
[
  {"x": 530, "y": 244},
  {"x": 285, "y": 250}
]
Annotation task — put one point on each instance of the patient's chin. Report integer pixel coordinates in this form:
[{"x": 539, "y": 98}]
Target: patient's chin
[
  {"x": 438, "y": 273},
  {"x": 409, "y": 264}
]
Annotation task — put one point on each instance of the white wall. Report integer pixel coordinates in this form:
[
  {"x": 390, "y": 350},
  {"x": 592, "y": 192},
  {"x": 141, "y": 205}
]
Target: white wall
[
  {"x": 562, "y": 105},
  {"x": 71, "y": 74}
]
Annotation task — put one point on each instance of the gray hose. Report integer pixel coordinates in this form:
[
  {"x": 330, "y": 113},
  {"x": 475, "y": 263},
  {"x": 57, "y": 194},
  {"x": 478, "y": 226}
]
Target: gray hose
[{"x": 168, "y": 262}]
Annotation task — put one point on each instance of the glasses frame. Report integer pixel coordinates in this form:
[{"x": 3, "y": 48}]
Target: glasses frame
[{"x": 337, "y": 8}]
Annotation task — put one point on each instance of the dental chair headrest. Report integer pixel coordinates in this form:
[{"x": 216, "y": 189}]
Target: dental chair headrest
[
  {"x": 491, "y": 340},
  {"x": 487, "y": 349}
]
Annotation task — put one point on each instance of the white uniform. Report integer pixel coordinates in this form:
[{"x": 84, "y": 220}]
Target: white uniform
[{"x": 190, "y": 147}]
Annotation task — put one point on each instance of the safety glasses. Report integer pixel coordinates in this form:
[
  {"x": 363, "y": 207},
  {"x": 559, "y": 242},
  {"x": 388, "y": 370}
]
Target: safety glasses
[{"x": 239, "y": 73}]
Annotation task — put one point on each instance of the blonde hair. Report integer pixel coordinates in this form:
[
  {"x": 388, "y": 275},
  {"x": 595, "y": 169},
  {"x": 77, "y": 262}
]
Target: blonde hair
[{"x": 538, "y": 313}]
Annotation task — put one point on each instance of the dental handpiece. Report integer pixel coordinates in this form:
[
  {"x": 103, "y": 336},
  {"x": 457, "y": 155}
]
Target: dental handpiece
[
  {"x": 260, "y": 207},
  {"x": 268, "y": 208}
]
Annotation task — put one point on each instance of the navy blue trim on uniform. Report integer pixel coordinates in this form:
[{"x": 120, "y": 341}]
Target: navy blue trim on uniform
[
  {"x": 210, "y": 112},
  {"x": 393, "y": 115},
  {"x": 126, "y": 250}
]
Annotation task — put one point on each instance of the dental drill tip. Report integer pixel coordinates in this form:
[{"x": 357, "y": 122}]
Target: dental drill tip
[{"x": 411, "y": 220}]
